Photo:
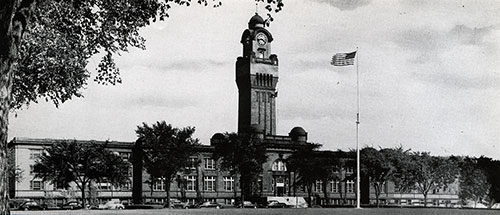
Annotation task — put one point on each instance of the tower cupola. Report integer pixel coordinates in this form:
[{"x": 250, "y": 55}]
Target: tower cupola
[{"x": 256, "y": 22}]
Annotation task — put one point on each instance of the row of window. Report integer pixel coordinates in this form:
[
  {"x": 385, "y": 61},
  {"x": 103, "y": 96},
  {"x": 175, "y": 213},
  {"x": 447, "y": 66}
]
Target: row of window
[
  {"x": 209, "y": 163},
  {"x": 36, "y": 153},
  {"x": 209, "y": 183},
  {"x": 40, "y": 185},
  {"x": 335, "y": 186}
]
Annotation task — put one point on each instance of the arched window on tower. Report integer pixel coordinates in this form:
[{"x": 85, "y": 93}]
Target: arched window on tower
[
  {"x": 261, "y": 53},
  {"x": 278, "y": 165}
]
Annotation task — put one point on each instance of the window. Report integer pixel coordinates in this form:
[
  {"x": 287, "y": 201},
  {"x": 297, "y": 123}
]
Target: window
[
  {"x": 126, "y": 186},
  {"x": 278, "y": 165},
  {"x": 209, "y": 183},
  {"x": 350, "y": 186},
  {"x": 191, "y": 183},
  {"x": 228, "y": 183},
  {"x": 396, "y": 187},
  {"x": 159, "y": 184},
  {"x": 334, "y": 186},
  {"x": 36, "y": 185},
  {"x": 349, "y": 170},
  {"x": 35, "y": 154},
  {"x": 209, "y": 163},
  {"x": 124, "y": 155},
  {"x": 104, "y": 185},
  {"x": 318, "y": 186},
  {"x": 191, "y": 163}
]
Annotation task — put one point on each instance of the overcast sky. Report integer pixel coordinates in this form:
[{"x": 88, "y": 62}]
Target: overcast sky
[{"x": 429, "y": 77}]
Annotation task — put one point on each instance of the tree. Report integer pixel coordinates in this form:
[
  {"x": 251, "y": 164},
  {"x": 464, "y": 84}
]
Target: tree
[
  {"x": 329, "y": 165},
  {"x": 242, "y": 154},
  {"x": 431, "y": 173},
  {"x": 473, "y": 180},
  {"x": 166, "y": 151},
  {"x": 303, "y": 161},
  {"x": 404, "y": 168},
  {"x": 81, "y": 163},
  {"x": 377, "y": 168},
  {"x": 45, "y": 47},
  {"x": 492, "y": 169}
]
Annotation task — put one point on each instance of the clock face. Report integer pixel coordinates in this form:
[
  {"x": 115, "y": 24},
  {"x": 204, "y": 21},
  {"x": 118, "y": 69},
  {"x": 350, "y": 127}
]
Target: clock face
[{"x": 261, "y": 39}]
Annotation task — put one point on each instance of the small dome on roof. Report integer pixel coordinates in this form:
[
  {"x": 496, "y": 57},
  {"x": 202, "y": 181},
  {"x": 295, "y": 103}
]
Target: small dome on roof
[
  {"x": 298, "y": 134},
  {"x": 216, "y": 138},
  {"x": 298, "y": 131},
  {"x": 256, "y": 21}
]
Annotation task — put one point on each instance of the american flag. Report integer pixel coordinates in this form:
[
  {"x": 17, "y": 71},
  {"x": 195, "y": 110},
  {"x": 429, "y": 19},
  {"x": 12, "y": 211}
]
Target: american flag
[{"x": 343, "y": 59}]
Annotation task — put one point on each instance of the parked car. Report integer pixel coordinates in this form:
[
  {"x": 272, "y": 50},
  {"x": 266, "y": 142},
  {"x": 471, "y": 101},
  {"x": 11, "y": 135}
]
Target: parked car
[
  {"x": 210, "y": 205},
  {"x": 72, "y": 205},
  {"x": 276, "y": 204},
  {"x": 32, "y": 205},
  {"x": 112, "y": 205},
  {"x": 174, "y": 203},
  {"x": 247, "y": 204}
]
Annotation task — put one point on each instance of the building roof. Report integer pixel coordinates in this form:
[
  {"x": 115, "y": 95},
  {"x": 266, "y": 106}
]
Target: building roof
[{"x": 50, "y": 141}]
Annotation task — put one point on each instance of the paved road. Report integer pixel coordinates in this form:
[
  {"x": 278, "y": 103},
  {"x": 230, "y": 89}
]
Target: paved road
[{"x": 309, "y": 211}]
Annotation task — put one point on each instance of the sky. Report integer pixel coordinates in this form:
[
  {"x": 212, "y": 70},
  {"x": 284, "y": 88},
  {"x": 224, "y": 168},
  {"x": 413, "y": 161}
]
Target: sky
[{"x": 428, "y": 77}]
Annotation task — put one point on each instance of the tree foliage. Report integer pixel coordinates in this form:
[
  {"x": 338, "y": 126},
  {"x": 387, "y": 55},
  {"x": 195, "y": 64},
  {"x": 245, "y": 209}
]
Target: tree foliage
[
  {"x": 431, "y": 172},
  {"x": 63, "y": 35},
  {"x": 492, "y": 169},
  {"x": 81, "y": 163},
  {"x": 312, "y": 165},
  {"x": 375, "y": 166},
  {"x": 166, "y": 150},
  {"x": 473, "y": 180},
  {"x": 242, "y": 154}
]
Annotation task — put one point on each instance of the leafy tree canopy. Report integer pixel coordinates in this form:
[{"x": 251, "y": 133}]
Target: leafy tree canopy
[
  {"x": 80, "y": 162},
  {"x": 242, "y": 154},
  {"x": 166, "y": 150},
  {"x": 62, "y": 35}
]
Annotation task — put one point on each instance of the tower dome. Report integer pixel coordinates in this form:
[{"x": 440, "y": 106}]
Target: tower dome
[
  {"x": 298, "y": 134},
  {"x": 217, "y": 138},
  {"x": 256, "y": 22}
]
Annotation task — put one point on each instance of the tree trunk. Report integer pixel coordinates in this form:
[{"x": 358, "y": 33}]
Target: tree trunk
[
  {"x": 13, "y": 20},
  {"x": 377, "y": 193},
  {"x": 340, "y": 193},
  {"x": 242, "y": 188},
  {"x": 425, "y": 199},
  {"x": 309, "y": 193},
  {"x": 325, "y": 192},
  {"x": 167, "y": 190},
  {"x": 83, "y": 194}
]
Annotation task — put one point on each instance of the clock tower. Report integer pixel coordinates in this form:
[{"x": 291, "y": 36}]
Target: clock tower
[{"x": 256, "y": 77}]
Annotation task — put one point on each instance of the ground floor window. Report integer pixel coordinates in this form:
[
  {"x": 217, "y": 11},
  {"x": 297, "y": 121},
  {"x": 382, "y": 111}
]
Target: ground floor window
[
  {"x": 209, "y": 183},
  {"x": 350, "y": 186},
  {"x": 191, "y": 183},
  {"x": 228, "y": 183},
  {"x": 159, "y": 184},
  {"x": 334, "y": 186},
  {"x": 37, "y": 185},
  {"x": 318, "y": 186}
]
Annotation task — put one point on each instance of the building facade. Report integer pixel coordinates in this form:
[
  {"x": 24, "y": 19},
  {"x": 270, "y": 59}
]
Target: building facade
[
  {"x": 256, "y": 77},
  {"x": 23, "y": 152}
]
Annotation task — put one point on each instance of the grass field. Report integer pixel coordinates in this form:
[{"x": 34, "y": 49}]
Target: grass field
[{"x": 309, "y": 211}]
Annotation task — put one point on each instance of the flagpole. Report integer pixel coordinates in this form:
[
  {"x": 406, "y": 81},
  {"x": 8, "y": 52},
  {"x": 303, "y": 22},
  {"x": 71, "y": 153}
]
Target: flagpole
[{"x": 358, "y": 193}]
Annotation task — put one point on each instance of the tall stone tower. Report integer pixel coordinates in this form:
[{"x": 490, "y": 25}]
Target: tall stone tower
[{"x": 256, "y": 77}]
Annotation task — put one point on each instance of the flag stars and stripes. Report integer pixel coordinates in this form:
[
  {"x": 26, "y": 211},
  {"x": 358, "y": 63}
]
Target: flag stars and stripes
[{"x": 343, "y": 59}]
